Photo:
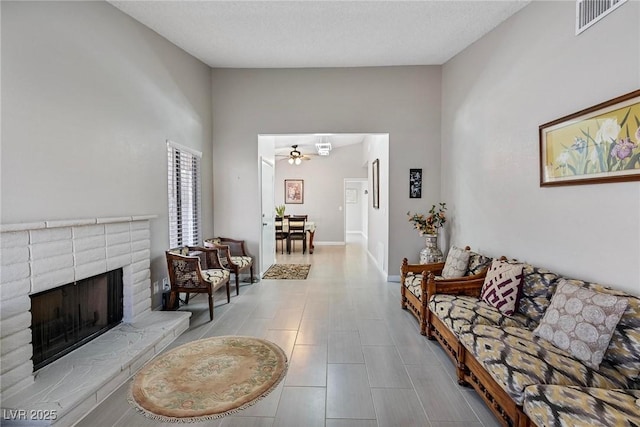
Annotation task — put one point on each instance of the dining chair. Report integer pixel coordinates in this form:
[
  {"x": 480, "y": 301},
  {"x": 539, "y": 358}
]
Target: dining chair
[
  {"x": 297, "y": 231},
  {"x": 281, "y": 234}
]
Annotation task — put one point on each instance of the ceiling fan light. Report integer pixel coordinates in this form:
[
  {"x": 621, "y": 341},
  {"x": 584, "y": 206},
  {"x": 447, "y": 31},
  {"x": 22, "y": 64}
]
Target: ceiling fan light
[
  {"x": 298, "y": 161},
  {"x": 290, "y": 160}
]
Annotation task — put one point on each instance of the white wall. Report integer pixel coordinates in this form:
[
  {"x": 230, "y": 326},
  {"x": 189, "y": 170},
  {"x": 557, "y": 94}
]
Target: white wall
[
  {"x": 401, "y": 101},
  {"x": 379, "y": 225},
  {"x": 89, "y": 98},
  {"x": 323, "y": 189},
  {"x": 530, "y": 70}
]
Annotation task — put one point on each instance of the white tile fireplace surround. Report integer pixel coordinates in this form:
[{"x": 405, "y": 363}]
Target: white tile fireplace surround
[{"x": 39, "y": 256}]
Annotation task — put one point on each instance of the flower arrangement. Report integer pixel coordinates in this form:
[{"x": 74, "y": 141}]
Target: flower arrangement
[
  {"x": 430, "y": 223},
  {"x": 280, "y": 210}
]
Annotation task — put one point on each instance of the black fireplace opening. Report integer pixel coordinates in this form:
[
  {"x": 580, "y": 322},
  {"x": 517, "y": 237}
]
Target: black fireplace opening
[{"x": 64, "y": 318}]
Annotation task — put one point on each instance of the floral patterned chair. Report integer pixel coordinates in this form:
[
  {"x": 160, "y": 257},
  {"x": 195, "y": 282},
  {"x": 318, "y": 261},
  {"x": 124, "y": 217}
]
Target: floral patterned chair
[
  {"x": 187, "y": 275},
  {"x": 234, "y": 256}
]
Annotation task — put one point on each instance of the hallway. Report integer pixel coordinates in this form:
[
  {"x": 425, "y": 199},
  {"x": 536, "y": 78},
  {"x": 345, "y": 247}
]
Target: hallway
[{"x": 356, "y": 359}]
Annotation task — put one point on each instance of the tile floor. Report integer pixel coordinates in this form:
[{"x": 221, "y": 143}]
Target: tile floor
[{"x": 356, "y": 358}]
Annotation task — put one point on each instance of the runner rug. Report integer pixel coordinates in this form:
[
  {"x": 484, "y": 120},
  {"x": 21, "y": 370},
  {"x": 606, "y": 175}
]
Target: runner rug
[
  {"x": 288, "y": 271},
  {"x": 207, "y": 379}
]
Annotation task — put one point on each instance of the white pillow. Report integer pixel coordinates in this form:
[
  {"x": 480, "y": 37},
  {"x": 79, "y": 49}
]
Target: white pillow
[
  {"x": 456, "y": 264},
  {"x": 581, "y": 321},
  {"x": 502, "y": 286}
]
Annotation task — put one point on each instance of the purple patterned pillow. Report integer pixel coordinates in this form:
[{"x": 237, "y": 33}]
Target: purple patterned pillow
[{"x": 502, "y": 286}]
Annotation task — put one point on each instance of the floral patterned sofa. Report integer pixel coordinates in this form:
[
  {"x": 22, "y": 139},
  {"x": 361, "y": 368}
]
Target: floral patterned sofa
[
  {"x": 414, "y": 279},
  {"x": 553, "y": 405},
  {"x": 523, "y": 378}
]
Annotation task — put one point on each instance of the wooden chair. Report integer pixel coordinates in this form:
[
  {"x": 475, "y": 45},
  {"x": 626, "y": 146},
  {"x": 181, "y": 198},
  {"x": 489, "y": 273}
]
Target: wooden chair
[
  {"x": 281, "y": 235},
  {"x": 297, "y": 231},
  {"x": 233, "y": 255},
  {"x": 187, "y": 275}
]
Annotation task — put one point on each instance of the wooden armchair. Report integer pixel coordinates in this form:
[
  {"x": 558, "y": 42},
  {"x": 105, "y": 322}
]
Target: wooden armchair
[
  {"x": 187, "y": 275},
  {"x": 234, "y": 256},
  {"x": 419, "y": 282}
]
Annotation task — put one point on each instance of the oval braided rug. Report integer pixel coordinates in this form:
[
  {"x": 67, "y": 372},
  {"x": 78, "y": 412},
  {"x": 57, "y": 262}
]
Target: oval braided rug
[{"x": 207, "y": 379}]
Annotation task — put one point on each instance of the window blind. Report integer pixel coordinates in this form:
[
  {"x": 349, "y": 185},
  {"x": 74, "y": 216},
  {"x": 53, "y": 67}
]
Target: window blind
[{"x": 184, "y": 195}]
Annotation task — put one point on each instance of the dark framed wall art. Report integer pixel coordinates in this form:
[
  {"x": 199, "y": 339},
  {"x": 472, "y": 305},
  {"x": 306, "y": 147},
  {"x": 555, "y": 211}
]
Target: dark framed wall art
[
  {"x": 415, "y": 183},
  {"x": 375, "y": 174}
]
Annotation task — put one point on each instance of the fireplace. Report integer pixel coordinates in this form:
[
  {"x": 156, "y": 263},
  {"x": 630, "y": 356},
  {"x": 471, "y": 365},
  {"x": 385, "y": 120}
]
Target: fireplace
[
  {"x": 66, "y": 317},
  {"x": 39, "y": 257}
]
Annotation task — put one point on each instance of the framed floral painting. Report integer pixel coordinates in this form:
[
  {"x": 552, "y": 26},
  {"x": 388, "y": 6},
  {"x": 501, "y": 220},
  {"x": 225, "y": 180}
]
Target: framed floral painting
[
  {"x": 294, "y": 191},
  {"x": 595, "y": 145}
]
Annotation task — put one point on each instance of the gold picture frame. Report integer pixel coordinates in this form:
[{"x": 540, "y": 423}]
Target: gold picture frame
[{"x": 596, "y": 145}]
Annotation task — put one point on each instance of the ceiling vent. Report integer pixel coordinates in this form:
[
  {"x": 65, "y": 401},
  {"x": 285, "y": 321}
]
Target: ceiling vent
[{"x": 588, "y": 12}]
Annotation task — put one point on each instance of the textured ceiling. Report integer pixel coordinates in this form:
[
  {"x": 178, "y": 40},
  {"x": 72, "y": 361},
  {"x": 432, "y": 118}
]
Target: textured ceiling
[{"x": 282, "y": 34}]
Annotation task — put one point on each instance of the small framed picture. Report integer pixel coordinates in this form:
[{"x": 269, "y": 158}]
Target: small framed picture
[
  {"x": 415, "y": 183},
  {"x": 294, "y": 191},
  {"x": 351, "y": 195},
  {"x": 375, "y": 173}
]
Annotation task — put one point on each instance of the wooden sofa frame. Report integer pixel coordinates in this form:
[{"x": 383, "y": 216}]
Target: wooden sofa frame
[
  {"x": 419, "y": 306},
  {"x": 469, "y": 371},
  {"x": 438, "y": 330}
]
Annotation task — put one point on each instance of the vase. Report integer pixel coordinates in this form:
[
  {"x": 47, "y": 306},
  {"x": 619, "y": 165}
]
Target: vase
[{"x": 431, "y": 253}]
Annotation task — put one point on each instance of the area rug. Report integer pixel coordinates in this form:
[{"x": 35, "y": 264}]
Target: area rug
[
  {"x": 288, "y": 271},
  {"x": 207, "y": 379}
]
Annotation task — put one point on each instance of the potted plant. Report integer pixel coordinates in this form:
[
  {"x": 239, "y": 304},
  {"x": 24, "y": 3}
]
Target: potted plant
[
  {"x": 428, "y": 225},
  {"x": 280, "y": 210}
]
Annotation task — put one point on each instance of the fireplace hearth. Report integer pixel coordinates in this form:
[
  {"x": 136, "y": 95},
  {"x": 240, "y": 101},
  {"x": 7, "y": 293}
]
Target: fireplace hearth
[{"x": 66, "y": 317}]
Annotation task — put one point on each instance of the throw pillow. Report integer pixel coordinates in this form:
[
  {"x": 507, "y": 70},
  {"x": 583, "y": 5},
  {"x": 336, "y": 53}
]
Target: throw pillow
[
  {"x": 456, "y": 264},
  {"x": 477, "y": 263},
  {"x": 581, "y": 321},
  {"x": 502, "y": 286}
]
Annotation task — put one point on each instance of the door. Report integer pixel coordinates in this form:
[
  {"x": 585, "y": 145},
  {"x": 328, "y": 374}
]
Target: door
[{"x": 268, "y": 239}]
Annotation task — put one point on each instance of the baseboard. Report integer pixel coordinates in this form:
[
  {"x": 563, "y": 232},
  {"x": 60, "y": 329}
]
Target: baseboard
[
  {"x": 328, "y": 243},
  {"x": 375, "y": 262},
  {"x": 361, "y": 233}
]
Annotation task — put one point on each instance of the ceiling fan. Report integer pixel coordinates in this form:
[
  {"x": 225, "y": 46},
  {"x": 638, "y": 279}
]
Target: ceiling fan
[{"x": 296, "y": 157}]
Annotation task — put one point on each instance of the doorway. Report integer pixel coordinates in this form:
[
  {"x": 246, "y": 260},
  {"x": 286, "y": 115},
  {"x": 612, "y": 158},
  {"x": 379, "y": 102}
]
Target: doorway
[
  {"x": 356, "y": 214},
  {"x": 297, "y": 157},
  {"x": 267, "y": 239}
]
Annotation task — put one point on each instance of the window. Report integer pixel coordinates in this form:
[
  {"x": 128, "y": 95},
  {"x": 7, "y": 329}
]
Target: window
[{"x": 184, "y": 195}]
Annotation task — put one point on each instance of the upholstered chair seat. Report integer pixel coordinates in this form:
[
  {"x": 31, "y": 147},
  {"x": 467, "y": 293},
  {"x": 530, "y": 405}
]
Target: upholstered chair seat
[
  {"x": 234, "y": 256},
  {"x": 186, "y": 274}
]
